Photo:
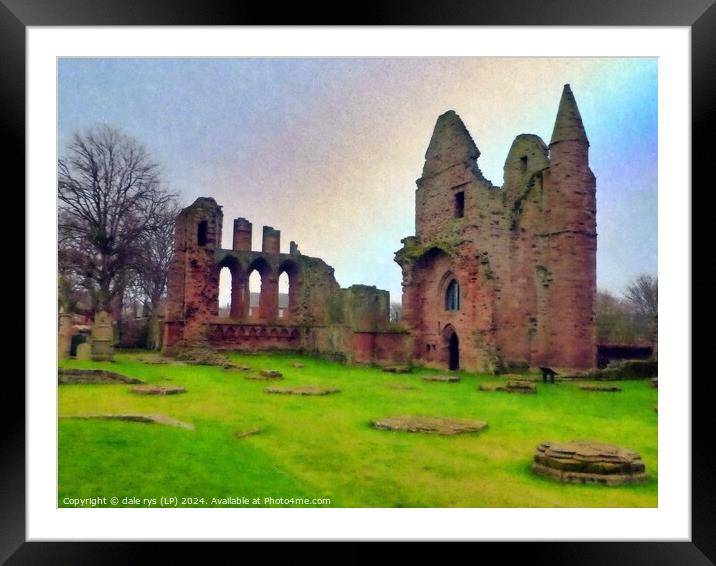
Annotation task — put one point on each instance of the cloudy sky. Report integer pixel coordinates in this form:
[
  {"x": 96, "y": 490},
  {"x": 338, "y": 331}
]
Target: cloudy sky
[{"x": 328, "y": 150}]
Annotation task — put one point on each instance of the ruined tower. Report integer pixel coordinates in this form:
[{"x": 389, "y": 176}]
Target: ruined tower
[
  {"x": 193, "y": 282},
  {"x": 569, "y": 244},
  {"x": 499, "y": 277}
]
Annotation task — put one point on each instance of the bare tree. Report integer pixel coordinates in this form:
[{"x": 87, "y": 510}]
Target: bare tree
[
  {"x": 643, "y": 294},
  {"x": 611, "y": 319},
  {"x": 151, "y": 269},
  {"x": 110, "y": 200},
  {"x": 152, "y": 263}
]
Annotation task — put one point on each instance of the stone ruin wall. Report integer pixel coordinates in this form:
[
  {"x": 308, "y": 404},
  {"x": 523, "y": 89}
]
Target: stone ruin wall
[
  {"x": 524, "y": 254},
  {"x": 348, "y": 324}
]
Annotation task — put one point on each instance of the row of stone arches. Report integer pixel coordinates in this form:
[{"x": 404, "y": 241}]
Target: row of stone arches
[{"x": 277, "y": 289}]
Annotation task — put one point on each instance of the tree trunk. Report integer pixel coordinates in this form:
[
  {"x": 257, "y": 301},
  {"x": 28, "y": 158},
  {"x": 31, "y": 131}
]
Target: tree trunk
[{"x": 154, "y": 332}]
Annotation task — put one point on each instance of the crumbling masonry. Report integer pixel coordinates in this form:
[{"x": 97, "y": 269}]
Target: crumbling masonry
[
  {"x": 494, "y": 277},
  {"x": 347, "y": 324},
  {"x": 499, "y": 277}
]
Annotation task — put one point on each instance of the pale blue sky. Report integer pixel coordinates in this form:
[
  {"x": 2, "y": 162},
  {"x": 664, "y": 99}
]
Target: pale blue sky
[{"x": 328, "y": 150}]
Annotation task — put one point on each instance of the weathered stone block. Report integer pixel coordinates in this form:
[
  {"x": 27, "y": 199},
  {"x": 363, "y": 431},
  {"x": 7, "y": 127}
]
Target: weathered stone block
[
  {"x": 438, "y": 425},
  {"x": 271, "y": 373},
  {"x": 583, "y": 461},
  {"x": 102, "y": 341},
  {"x": 514, "y": 386},
  {"x": 442, "y": 378},
  {"x": 157, "y": 390},
  {"x": 64, "y": 337},
  {"x": 84, "y": 351},
  {"x": 305, "y": 390},
  {"x": 70, "y": 376},
  {"x": 152, "y": 419}
]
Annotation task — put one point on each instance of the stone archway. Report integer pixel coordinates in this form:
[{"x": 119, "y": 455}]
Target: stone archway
[
  {"x": 290, "y": 268},
  {"x": 454, "y": 352},
  {"x": 268, "y": 296},
  {"x": 238, "y": 302}
]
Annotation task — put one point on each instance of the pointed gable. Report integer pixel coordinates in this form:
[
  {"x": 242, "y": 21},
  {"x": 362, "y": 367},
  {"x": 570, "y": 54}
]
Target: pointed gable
[{"x": 450, "y": 145}]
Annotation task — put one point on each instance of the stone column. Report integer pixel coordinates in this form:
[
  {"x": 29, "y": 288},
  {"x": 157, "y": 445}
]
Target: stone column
[
  {"x": 242, "y": 235},
  {"x": 268, "y": 302}
]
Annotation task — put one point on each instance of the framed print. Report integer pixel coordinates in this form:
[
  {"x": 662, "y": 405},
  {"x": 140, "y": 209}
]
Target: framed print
[{"x": 331, "y": 118}]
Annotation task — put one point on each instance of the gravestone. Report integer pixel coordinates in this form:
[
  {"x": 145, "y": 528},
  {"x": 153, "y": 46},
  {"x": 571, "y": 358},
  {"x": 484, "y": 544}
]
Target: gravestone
[
  {"x": 64, "y": 338},
  {"x": 102, "y": 338},
  {"x": 84, "y": 351}
]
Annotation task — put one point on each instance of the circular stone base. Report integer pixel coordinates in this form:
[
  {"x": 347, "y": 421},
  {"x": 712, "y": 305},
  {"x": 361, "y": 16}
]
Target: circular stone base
[
  {"x": 302, "y": 390},
  {"x": 443, "y": 378},
  {"x": 583, "y": 461},
  {"x": 439, "y": 425},
  {"x": 157, "y": 390}
]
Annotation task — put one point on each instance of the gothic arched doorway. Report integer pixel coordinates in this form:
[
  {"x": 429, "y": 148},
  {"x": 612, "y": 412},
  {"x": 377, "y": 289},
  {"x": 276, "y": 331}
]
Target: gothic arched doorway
[{"x": 453, "y": 347}]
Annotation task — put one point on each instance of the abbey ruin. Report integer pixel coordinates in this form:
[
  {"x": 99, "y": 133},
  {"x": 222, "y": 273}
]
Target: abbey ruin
[{"x": 494, "y": 277}]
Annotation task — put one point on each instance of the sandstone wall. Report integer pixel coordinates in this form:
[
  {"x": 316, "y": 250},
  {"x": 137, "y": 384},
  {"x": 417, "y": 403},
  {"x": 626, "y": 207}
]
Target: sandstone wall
[{"x": 524, "y": 254}]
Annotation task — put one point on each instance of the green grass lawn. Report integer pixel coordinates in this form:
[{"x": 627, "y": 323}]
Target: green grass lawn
[{"x": 325, "y": 447}]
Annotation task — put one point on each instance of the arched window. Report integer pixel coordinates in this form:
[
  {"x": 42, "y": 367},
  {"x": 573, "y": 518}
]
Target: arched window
[{"x": 452, "y": 296}]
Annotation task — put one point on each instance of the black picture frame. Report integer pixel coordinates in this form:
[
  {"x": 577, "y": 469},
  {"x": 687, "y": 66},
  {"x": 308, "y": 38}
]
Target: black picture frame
[{"x": 699, "y": 15}]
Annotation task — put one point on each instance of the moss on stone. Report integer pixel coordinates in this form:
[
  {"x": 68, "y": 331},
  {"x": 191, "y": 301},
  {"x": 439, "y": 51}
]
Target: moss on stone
[{"x": 416, "y": 251}]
